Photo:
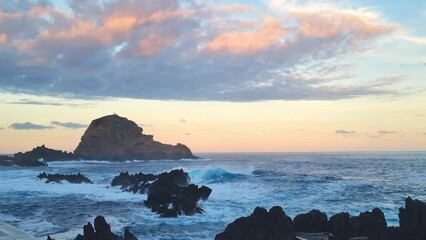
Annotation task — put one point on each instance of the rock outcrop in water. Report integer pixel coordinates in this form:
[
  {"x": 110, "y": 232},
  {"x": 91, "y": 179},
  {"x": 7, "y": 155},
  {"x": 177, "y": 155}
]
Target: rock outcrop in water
[
  {"x": 38, "y": 156},
  {"x": 6, "y": 160},
  {"x": 315, "y": 226},
  {"x": 101, "y": 231},
  {"x": 47, "y": 154},
  {"x": 261, "y": 224},
  {"x": 58, "y": 178},
  {"x": 116, "y": 138},
  {"x": 169, "y": 194}
]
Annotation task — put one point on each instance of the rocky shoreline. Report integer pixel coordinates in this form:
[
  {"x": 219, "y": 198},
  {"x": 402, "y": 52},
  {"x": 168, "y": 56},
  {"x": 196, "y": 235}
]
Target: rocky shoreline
[{"x": 314, "y": 225}]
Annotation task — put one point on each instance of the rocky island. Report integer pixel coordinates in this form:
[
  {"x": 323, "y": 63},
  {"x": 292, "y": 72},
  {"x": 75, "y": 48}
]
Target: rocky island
[
  {"x": 117, "y": 138},
  {"x": 111, "y": 138},
  {"x": 38, "y": 156}
]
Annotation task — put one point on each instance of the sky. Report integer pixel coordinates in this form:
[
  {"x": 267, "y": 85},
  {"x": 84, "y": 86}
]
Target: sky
[{"x": 218, "y": 76}]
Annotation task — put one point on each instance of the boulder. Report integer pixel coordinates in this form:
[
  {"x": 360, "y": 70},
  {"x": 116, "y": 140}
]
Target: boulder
[
  {"x": 170, "y": 194},
  {"x": 116, "y": 138},
  {"x": 260, "y": 225},
  {"x": 57, "y": 178},
  {"x": 314, "y": 221}
]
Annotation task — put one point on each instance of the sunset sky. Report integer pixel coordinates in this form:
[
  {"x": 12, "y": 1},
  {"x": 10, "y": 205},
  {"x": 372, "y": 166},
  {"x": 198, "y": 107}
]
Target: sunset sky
[{"x": 218, "y": 76}]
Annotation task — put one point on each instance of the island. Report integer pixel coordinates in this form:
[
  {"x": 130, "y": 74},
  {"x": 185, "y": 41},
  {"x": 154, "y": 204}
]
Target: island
[
  {"x": 117, "y": 138},
  {"x": 112, "y": 138}
]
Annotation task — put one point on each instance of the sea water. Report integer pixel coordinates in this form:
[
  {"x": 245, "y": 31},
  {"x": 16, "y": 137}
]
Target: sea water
[{"x": 299, "y": 182}]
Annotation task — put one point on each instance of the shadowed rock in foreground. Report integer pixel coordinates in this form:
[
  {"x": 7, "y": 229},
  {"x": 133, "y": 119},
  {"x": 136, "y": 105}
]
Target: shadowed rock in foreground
[
  {"x": 169, "y": 194},
  {"x": 101, "y": 231},
  {"x": 71, "y": 178},
  {"x": 314, "y": 225},
  {"x": 261, "y": 224},
  {"x": 116, "y": 138}
]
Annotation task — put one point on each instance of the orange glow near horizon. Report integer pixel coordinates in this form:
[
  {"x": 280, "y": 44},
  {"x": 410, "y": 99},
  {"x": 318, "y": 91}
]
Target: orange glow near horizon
[{"x": 271, "y": 126}]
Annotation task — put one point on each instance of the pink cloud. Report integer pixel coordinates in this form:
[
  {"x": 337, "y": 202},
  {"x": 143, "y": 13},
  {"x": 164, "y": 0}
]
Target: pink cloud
[
  {"x": 332, "y": 23},
  {"x": 3, "y": 38},
  {"x": 215, "y": 51},
  {"x": 249, "y": 41},
  {"x": 153, "y": 44}
]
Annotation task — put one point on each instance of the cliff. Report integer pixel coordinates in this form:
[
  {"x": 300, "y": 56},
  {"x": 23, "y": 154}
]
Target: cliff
[{"x": 116, "y": 138}]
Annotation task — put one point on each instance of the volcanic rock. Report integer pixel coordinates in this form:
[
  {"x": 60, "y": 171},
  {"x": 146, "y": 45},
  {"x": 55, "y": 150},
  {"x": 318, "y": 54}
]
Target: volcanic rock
[
  {"x": 412, "y": 220},
  {"x": 116, "y": 138},
  {"x": 314, "y": 221},
  {"x": 371, "y": 225},
  {"x": 101, "y": 231},
  {"x": 6, "y": 160},
  {"x": 39, "y": 155},
  {"x": 71, "y": 178},
  {"x": 169, "y": 194},
  {"x": 261, "y": 224}
]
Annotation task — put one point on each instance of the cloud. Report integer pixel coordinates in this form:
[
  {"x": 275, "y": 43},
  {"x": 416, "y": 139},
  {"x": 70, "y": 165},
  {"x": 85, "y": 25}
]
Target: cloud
[
  {"x": 71, "y": 125},
  {"x": 182, "y": 50},
  {"x": 1, "y": 128},
  {"x": 182, "y": 121},
  {"x": 188, "y": 134},
  {"x": 386, "y": 132},
  {"x": 28, "y": 126},
  {"x": 47, "y": 103},
  {"x": 345, "y": 132},
  {"x": 265, "y": 36}
]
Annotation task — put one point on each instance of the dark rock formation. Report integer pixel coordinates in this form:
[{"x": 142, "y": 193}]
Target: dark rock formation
[
  {"x": 57, "y": 178},
  {"x": 314, "y": 221},
  {"x": 39, "y": 156},
  {"x": 116, "y": 138},
  {"x": 339, "y": 224},
  {"x": 412, "y": 220},
  {"x": 368, "y": 224},
  {"x": 6, "y": 161},
  {"x": 101, "y": 231},
  {"x": 260, "y": 225},
  {"x": 44, "y": 153},
  {"x": 314, "y": 226},
  {"x": 169, "y": 188}
]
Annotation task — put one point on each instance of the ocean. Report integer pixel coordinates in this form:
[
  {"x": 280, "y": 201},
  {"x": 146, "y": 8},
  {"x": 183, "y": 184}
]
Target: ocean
[{"x": 299, "y": 182}]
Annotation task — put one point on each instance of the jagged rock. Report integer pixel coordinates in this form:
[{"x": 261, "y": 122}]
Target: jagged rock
[
  {"x": 314, "y": 221},
  {"x": 169, "y": 188},
  {"x": 72, "y": 178},
  {"x": 260, "y": 225},
  {"x": 368, "y": 224},
  {"x": 338, "y": 225},
  {"x": 412, "y": 219},
  {"x": 116, "y": 138},
  {"x": 102, "y": 231},
  {"x": 44, "y": 153}
]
